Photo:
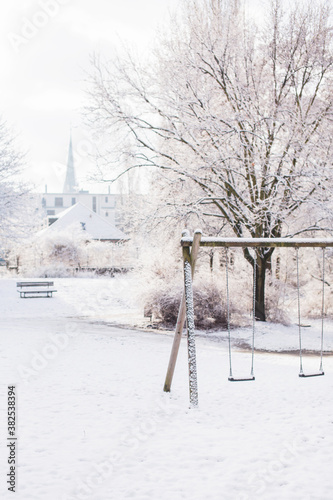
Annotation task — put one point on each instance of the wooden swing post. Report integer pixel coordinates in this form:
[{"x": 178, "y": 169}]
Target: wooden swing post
[
  {"x": 191, "y": 257},
  {"x": 191, "y": 351}
]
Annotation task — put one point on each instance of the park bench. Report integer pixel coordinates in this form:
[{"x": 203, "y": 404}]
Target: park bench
[{"x": 34, "y": 289}]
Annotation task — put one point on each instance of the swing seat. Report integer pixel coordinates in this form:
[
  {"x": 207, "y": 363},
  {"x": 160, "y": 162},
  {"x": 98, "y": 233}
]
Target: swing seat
[
  {"x": 241, "y": 379},
  {"x": 316, "y": 374}
]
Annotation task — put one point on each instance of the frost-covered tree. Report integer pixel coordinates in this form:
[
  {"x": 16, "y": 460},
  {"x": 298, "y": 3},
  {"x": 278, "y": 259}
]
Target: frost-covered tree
[
  {"x": 239, "y": 109},
  {"x": 15, "y": 206}
]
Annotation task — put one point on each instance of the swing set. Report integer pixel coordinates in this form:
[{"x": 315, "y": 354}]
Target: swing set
[{"x": 190, "y": 246}]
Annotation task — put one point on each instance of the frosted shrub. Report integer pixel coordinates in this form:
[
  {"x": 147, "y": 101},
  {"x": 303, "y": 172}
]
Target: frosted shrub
[
  {"x": 277, "y": 302},
  {"x": 62, "y": 253},
  {"x": 65, "y": 252},
  {"x": 64, "y": 247},
  {"x": 281, "y": 294},
  {"x": 162, "y": 278},
  {"x": 312, "y": 284},
  {"x": 209, "y": 312},
  {"x": 57, "y": 270},
  {"x": 51, "y": 253}
]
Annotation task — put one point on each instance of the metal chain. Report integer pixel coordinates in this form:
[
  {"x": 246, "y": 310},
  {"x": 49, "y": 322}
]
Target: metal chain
[
  {"x": 228, "y": 312},
  {"x": 228, "y": 307},
  {"x": 322, "y": 313},
  {"x": 254, "y": 312},
  {"x": 299, "y": 316}
]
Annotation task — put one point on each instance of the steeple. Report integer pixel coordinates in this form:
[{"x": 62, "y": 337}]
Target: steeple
[{"x": 70, "y": 181}]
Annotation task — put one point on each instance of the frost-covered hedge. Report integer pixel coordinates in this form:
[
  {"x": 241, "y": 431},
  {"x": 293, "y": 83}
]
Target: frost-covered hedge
[
  {"x": 209, "y": 311},
  {"x": 62, "y": 253}
]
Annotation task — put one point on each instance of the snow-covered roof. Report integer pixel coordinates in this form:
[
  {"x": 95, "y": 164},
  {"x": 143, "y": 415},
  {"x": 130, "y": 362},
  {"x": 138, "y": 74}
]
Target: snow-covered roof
[{"x": 95, "y": 226}]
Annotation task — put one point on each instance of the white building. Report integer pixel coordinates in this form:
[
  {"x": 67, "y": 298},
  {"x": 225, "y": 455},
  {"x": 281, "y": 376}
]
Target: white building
[
  {"x": 81, "y": 217},
  {"x": 54, "y": 203}
]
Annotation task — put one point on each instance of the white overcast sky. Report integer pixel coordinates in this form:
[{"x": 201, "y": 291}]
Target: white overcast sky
[{"x": 43, "y": 58}]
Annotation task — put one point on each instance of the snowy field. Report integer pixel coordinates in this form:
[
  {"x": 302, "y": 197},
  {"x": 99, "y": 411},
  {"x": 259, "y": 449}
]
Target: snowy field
[{"x": 93, "y": 422}]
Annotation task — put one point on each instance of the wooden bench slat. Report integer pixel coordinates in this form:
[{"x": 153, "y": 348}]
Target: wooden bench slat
[
  {"x": 22, "y": 284},
  {"x": 35, "y": 293}
]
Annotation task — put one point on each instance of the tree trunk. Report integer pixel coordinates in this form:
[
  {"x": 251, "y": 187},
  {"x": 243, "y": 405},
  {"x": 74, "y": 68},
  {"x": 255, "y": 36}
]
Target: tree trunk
[
  {"x": 261, "y": 267},
  {"x": 211, "y": 260}
]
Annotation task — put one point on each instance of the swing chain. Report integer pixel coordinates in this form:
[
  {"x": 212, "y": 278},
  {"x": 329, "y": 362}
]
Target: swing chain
[
  {"x": 299, "y": 314},
  {"x": 228, "y": 318},
  {"x": 254, "y": 311},
  {"x": 321, "y": 371},
  {"x": 228, "y": 307},
  {"x": 322, "y": 313}
]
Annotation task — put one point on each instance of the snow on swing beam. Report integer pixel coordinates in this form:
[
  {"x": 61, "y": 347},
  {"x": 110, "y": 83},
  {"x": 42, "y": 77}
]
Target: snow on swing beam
[{"x": 187, "y": 241}]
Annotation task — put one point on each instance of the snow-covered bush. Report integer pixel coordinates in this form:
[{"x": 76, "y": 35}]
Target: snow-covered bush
[
  {"x": 277, "y": 308},
  {"x": 58, "y": 270},
  {"x": 311, "y": 283},
  {"x": 54, "y": 253},
  {"x": 64, "y": 252},
  {"x": 160, "y": 279},
  {"x": 209, "y": 309}
]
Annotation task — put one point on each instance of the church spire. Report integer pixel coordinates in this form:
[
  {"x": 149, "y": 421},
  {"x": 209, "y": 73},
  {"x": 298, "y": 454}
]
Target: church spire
[{"x": 70, "y": 181}]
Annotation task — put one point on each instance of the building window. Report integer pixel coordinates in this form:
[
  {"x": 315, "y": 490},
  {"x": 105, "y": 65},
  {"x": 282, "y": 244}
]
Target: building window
[
  {"x": 58, "y": 202},
  {"x": 52, "y": 220},
  {"x": 94, "y": 203},
  {"x": 43, "y": 202},
  {"x": 73, "y": 201},
  {"x": 50, "y": 212},
  {"x": 106, "y": 214},
  {"x": 106, "y": 199}
]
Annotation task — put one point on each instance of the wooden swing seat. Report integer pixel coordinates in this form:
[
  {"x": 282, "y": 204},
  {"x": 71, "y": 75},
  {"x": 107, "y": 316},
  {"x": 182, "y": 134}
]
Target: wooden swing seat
[
  {"x": 316, "y": 374},
  {"x": 241, "y": 379}
]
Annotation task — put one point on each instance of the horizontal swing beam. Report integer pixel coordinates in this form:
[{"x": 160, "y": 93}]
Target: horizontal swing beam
[{"x": 259, "y": 242}]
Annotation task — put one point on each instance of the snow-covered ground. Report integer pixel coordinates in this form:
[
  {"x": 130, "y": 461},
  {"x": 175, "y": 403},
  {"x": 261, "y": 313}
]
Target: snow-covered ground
[{"x": 94, "y": 423}]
